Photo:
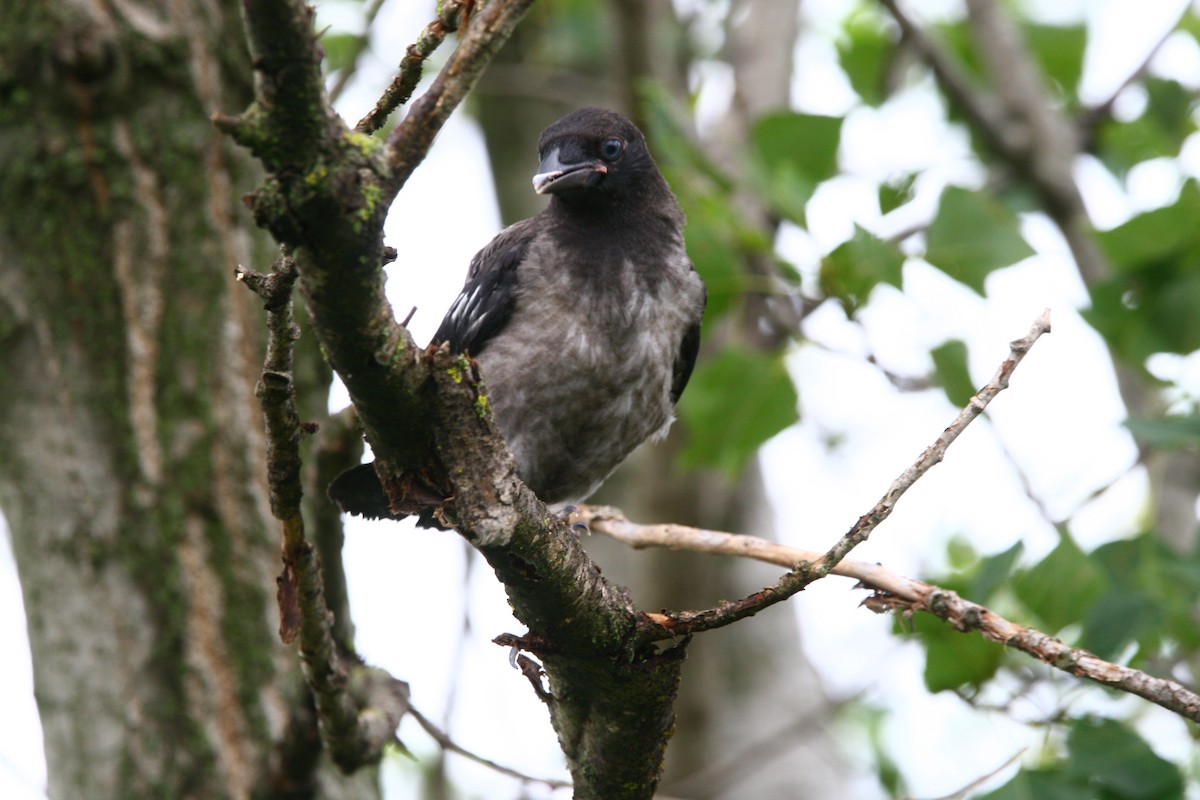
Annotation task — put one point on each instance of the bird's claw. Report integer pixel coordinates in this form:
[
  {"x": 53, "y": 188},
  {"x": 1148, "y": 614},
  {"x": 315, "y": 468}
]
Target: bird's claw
[{"x": 566, "y": 513}]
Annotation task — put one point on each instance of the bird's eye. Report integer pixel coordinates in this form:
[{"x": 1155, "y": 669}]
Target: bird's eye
[{"x": 611, "y": 148}]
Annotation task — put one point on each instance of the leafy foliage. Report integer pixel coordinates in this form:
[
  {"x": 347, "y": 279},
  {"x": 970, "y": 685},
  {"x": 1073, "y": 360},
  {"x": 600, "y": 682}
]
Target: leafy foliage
[
  {"x": 865, "y": 51},
  {"x": 1166, "y": 433},
  {"x": 792, "y": 153},
  {"x": 1104, "y": 759},
  {"x": 735, "y": 402},
  {"x": 953, "y": 660},
  {"x": 1059, "y": 51},
  {"x": 1152, "y": 302},
  {"x": 950, "y": 367},
  {"x": 851, "y": 271},
  {"x": 972, "y": 235},
  {"x": 1158, "y": 132}
]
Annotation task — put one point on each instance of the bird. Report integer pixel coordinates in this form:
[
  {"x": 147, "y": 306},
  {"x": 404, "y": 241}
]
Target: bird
[{"x": 584, "y": 319}]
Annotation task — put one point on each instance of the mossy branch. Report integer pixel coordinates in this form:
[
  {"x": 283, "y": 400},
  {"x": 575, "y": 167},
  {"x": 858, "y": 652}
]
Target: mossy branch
[{"x": 611, "y": 699}]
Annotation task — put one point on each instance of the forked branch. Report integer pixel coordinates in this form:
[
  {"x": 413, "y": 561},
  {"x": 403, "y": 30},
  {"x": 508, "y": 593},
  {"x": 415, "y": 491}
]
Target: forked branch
[{"x": 804, "y": 572}]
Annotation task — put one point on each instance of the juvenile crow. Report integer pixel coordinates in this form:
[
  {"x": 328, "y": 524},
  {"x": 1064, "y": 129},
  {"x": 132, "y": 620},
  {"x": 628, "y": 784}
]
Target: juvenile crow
[{"x": 585, "y": 319}]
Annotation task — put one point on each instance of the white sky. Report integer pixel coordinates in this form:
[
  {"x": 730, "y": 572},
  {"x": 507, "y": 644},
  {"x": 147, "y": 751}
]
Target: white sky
[{"x": 1066, "y": 448}]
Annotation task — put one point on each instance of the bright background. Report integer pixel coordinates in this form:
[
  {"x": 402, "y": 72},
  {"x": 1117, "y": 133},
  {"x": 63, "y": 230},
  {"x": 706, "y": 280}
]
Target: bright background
[{"x": 1059, "y": 425}]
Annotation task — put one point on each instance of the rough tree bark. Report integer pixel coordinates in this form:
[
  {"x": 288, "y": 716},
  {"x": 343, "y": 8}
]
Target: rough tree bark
[
  {"x": 426, "y": 413},
  {"x": 133, "y": 474}
]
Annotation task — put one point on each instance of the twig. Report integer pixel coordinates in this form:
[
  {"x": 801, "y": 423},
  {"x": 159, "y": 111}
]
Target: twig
[
  {"x": 897, "y": 593},
  {"x": 613, "y": 523},
  {"x": 354, "y": 729},
  {"x": 411, "y": 66},
  {"x": 967, "y": 790},
  {"x": 336, "y": 447},
  {"x": 980, "y": 107},
  {"x": 478, "y": 44},
  {"x": 1016, "y": 120},
  {"x": 1092, "y": 116},
  {"x": 446, "y": 743},
  {"x": 805, "y": 571}
]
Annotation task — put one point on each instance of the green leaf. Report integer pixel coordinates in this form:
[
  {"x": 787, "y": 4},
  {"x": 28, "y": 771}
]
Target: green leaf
[
  {"x": 851, "y": 271},
  {"x": 1121, "y": 145},
  {"x": 1154, "y": 236},
  {"x": 896, "y": 192},
  {"x": 710, "y": 243},
  {"x": 1157, "y": 311},
  {"x": 1059, "y": 50},
  {"x": 973, "y": 234},
  {"x": 1041, "y": 784},
  {"x": 953, "y": 659},
  {"x": 1118, "y": 618},
  {"x": 950, "y": 367},
  {"x": 1151, "y": 303},
  {"x": 1145, "y": 565},
  {"x": 1171, "y": 104},
  {"x": 733, "y": 404},
  {"x": 1108, "y": 756},
  {"x": 1062, "y": 587},
  {"x": 340, "y": 48},
  {"x": 961, "y": 555},
  {"x": 802, "y": 147},
  {"x": 1167, "y": 433},
  {"x": 1106, "y": 761},
  {"x": 864, "y": 51},
  {"x": 994, "y": 572}
]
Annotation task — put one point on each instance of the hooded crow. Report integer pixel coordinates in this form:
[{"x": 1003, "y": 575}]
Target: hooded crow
[{"x": 585, "y": 319}]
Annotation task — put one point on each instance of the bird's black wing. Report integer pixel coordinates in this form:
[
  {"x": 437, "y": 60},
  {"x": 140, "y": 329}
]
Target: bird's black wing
[
  {"x": 489, "y": 294},
  {"x": 685, "y": 359}
]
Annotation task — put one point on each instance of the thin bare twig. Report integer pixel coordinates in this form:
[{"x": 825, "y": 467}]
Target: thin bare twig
[
  {"x": 804, "y": 571},
  {"x": 966, "y": 791},
  {"x": 478, "y": 43},
  {"x": 411, "y": 66},
  {"x": 897, "y": 593},
  {"x": 613, "y": 523},
  {"x": 446, "y": 743},
  {"x": 1092, "y": 116},
  {"x": 354, "y": 731}
]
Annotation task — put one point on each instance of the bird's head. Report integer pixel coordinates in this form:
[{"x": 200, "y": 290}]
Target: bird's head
[{"x": 590, "y": 153}]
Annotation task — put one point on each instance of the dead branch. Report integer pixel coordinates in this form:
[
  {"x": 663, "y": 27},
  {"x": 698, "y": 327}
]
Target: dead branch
[
  {"x": 893, "y": 592},
  {"x": 805, "y": 571}
]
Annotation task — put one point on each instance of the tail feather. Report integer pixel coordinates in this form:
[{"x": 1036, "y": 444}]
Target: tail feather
[{"x": 358, "y": 491}]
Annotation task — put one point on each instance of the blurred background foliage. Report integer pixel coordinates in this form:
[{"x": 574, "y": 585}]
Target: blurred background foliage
[{"x": 713, "y": 86}]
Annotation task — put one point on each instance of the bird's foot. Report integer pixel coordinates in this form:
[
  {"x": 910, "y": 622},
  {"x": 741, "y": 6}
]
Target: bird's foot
[{"x": 569, "y": 515}]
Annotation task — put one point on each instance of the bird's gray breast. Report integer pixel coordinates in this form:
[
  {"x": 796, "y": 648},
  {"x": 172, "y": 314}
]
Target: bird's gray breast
[{"x": 581, "y": 374}]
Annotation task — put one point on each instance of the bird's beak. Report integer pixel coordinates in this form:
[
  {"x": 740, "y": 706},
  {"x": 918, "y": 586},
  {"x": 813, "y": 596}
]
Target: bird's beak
[{"x": 555, "y": 176}]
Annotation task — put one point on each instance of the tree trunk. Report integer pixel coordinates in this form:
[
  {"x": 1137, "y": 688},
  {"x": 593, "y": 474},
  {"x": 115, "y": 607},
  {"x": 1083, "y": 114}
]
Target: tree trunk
[{"x": 133, "y": 476}]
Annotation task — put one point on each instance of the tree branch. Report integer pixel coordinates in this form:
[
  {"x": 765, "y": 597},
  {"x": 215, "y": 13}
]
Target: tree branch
[
  {"x": 354, "y": 728},
  {"x": 1016, "y": 121},
  {"x": 893, "y": 592},
  {"x": 1090, "y": 118},
  {"x": 425, "y": 411},
  {"x": 804, "y": 572},
  {"x": 411, "y": 66},
  {"x": 479, "y": 43},
  {"x": 449, "y": 745}
]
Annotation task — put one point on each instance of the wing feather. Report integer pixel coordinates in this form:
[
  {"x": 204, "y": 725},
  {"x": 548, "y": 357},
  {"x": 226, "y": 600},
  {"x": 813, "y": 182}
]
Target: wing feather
[{"x": 490, "y": 292}]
